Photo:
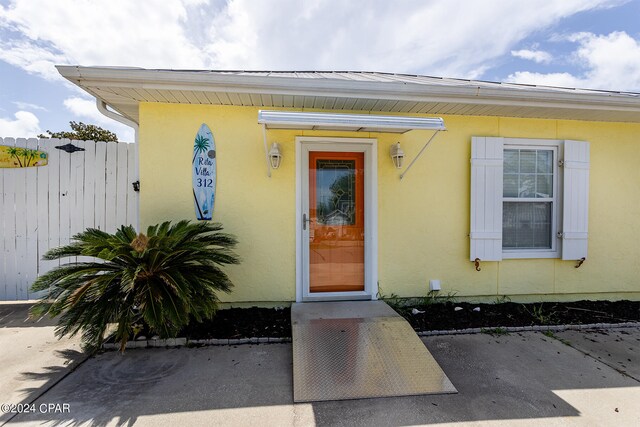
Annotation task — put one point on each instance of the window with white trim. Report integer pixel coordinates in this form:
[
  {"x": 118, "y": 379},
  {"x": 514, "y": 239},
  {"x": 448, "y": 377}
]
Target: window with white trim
[
  {"x": 529, "y": 198},
  {"x": 530, "y": 211}
]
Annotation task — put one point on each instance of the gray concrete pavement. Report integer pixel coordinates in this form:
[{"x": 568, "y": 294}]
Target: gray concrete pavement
[
  {"x": 517, "y": 379},
  {"x": 31, "y": 357},
  {"x": 618, "y": 348}
]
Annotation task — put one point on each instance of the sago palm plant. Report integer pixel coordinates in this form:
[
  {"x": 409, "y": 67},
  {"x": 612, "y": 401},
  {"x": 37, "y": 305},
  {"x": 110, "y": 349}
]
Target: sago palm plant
[{"x": 161, "y": 279}]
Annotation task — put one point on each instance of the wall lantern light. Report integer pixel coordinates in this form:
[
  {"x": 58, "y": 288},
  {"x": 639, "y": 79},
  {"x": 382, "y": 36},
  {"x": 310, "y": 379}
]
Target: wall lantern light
[
  {"x": 397, "y": 155},
  {"x": 275, "y": 156},
  {"x": 304, "y": 120}
]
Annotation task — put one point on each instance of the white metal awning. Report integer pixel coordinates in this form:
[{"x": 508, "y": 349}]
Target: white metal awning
[{"x": 346, "y": 122}]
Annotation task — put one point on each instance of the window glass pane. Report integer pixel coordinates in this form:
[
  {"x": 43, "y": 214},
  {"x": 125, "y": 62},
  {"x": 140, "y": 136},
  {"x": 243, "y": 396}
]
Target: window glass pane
[
  {"x": 528, "y": 174},
  {"x": 544, "y": 162},
  {"x": 510, "y": 185},
  {"x": 526, "y": 225},
  {"x": 511, "y": 160},
  {"x": 542, "y": 235},
  {"x": 527, "y": 161},
  {"x": 527, "y": 185},
  {"x": 508, "y": 235},
  {"x": 336, "y": 222},
  {"x": 335, "y": 192},
  {"x": 544, "y": 186}
]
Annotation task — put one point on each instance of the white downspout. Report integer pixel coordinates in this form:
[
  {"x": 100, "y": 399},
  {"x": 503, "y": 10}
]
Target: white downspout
[{"x": 102, "y": 107}]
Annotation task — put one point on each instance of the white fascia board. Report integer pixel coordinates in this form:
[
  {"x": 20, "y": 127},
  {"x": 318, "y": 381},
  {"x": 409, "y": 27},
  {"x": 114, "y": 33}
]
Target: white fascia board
[{"x": 417, "y": 92}]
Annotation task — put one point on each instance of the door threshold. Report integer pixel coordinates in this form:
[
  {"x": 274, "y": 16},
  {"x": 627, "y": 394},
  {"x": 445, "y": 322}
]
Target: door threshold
[{"x": 320, "y": 298}]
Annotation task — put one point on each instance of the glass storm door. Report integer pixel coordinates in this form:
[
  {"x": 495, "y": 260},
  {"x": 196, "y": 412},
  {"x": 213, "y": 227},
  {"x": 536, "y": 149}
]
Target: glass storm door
[{"x": 335, "y": 222}]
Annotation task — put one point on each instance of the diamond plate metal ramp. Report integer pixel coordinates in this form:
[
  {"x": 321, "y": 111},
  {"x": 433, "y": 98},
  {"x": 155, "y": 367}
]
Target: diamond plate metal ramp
[{"x": 355, "y": 350}]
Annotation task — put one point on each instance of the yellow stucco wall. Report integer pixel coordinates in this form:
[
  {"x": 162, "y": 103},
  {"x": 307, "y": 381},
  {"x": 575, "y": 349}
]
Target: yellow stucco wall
[{"x": 423, "y": 220}]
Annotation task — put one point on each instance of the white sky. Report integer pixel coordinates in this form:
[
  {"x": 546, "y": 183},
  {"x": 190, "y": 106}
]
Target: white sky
[{"x": 576, "y": 43}]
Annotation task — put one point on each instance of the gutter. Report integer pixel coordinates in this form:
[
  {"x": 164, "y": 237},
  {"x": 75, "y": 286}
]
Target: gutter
[
  {"x": 102, "y": 107},
  {"x": 470, "y": 93}
]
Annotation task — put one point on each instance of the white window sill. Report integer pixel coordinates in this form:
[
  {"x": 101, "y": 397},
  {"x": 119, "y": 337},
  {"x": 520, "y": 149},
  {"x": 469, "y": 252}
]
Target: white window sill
[{"x": 529, "y": 254}]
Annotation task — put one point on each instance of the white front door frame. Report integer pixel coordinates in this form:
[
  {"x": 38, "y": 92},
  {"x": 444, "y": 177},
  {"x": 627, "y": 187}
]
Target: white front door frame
[{"x": 369, "y": 146}]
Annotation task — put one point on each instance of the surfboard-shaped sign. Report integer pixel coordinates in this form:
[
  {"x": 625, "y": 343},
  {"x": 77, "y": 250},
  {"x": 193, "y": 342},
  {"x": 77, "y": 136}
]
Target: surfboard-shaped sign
[
  {"x": 204, "y": 173},
  {"x": 18, "y": 157}
]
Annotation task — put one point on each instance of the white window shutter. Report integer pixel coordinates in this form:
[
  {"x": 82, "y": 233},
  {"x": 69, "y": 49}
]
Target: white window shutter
[
  {"x": 575, "y": 209},
  {"x": 486, "y": 198}
]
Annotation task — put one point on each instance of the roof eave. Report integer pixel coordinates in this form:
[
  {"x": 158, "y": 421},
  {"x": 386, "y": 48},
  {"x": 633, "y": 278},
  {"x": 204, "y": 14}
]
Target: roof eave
[{"x": 231, "y": 83}]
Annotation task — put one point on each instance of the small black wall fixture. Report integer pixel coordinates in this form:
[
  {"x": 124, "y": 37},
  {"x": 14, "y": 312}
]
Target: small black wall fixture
[
  {"x": 69, "y": 148},
  {"x": 136, "y": 186}
]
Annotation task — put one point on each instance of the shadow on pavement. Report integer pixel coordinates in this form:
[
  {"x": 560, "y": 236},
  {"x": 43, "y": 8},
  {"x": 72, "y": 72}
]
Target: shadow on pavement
[
  {"x": 16, "y": 315},
  {"x": 37, "y": 383},
  {"x": 519, "y": 376}
]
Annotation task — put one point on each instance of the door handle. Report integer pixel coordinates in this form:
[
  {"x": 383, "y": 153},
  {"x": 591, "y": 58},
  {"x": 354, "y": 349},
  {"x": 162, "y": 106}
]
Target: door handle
[{"x": 305, "y": 220}]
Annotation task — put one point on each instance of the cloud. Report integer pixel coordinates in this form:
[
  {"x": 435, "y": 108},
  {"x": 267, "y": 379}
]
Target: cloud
[
  {"x": 545, "y": 79},
  {"x": 41, "y": 33},
  {"x": 86, "y": 109},
  {"x": 30, "y": 57},
  {"x": 538, "y": 56},
  {"x": 457, "y": 38},
  {"x": 409, "y": 36},
  {"x": 25, "y": 125},
  {"x": 608, "y": 62},
  {"x": 28, "y": 106}
]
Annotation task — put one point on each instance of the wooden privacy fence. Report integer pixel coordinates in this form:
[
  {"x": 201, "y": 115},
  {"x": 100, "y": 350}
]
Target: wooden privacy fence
[{"x": 43, "y": 207}]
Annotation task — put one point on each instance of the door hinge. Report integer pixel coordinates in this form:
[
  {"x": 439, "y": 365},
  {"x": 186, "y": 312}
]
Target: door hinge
[
  {"x": 559, "y": 234},
  {"x": 560, "y": 163}
]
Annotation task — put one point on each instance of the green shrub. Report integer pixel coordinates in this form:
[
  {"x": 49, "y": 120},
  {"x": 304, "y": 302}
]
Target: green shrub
[{"x": 160, "y": 279}]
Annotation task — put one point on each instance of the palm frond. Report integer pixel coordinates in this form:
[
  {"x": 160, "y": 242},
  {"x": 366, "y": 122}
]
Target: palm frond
[{"x": 163, "y": 278}]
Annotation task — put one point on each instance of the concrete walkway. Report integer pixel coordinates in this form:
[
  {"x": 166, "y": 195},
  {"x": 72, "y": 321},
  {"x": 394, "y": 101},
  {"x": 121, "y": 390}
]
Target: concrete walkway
[
  {"x": 518, "y": 379},
  {"x": 32, "y": 359}
]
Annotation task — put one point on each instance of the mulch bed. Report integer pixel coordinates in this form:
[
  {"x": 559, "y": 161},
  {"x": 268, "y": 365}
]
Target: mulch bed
[
  {"x": 270, "y": 322},
  {"x": 444, "y": 316},
  {"x": 242, "y": 323}
]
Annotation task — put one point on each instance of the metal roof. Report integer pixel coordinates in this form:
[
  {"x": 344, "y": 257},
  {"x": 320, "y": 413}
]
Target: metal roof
[
  {"x": 124, "y": 88},
  {"x": 382, "y": 77}
]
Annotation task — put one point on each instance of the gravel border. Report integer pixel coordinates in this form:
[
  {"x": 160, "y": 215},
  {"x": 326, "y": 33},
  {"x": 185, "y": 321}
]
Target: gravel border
[
  {"x": 538, "y": 328},
  {"x": 184, "y": 342}
]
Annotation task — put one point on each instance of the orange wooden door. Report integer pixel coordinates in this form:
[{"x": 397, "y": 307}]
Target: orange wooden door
[{"x": 336, "y": 229}]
